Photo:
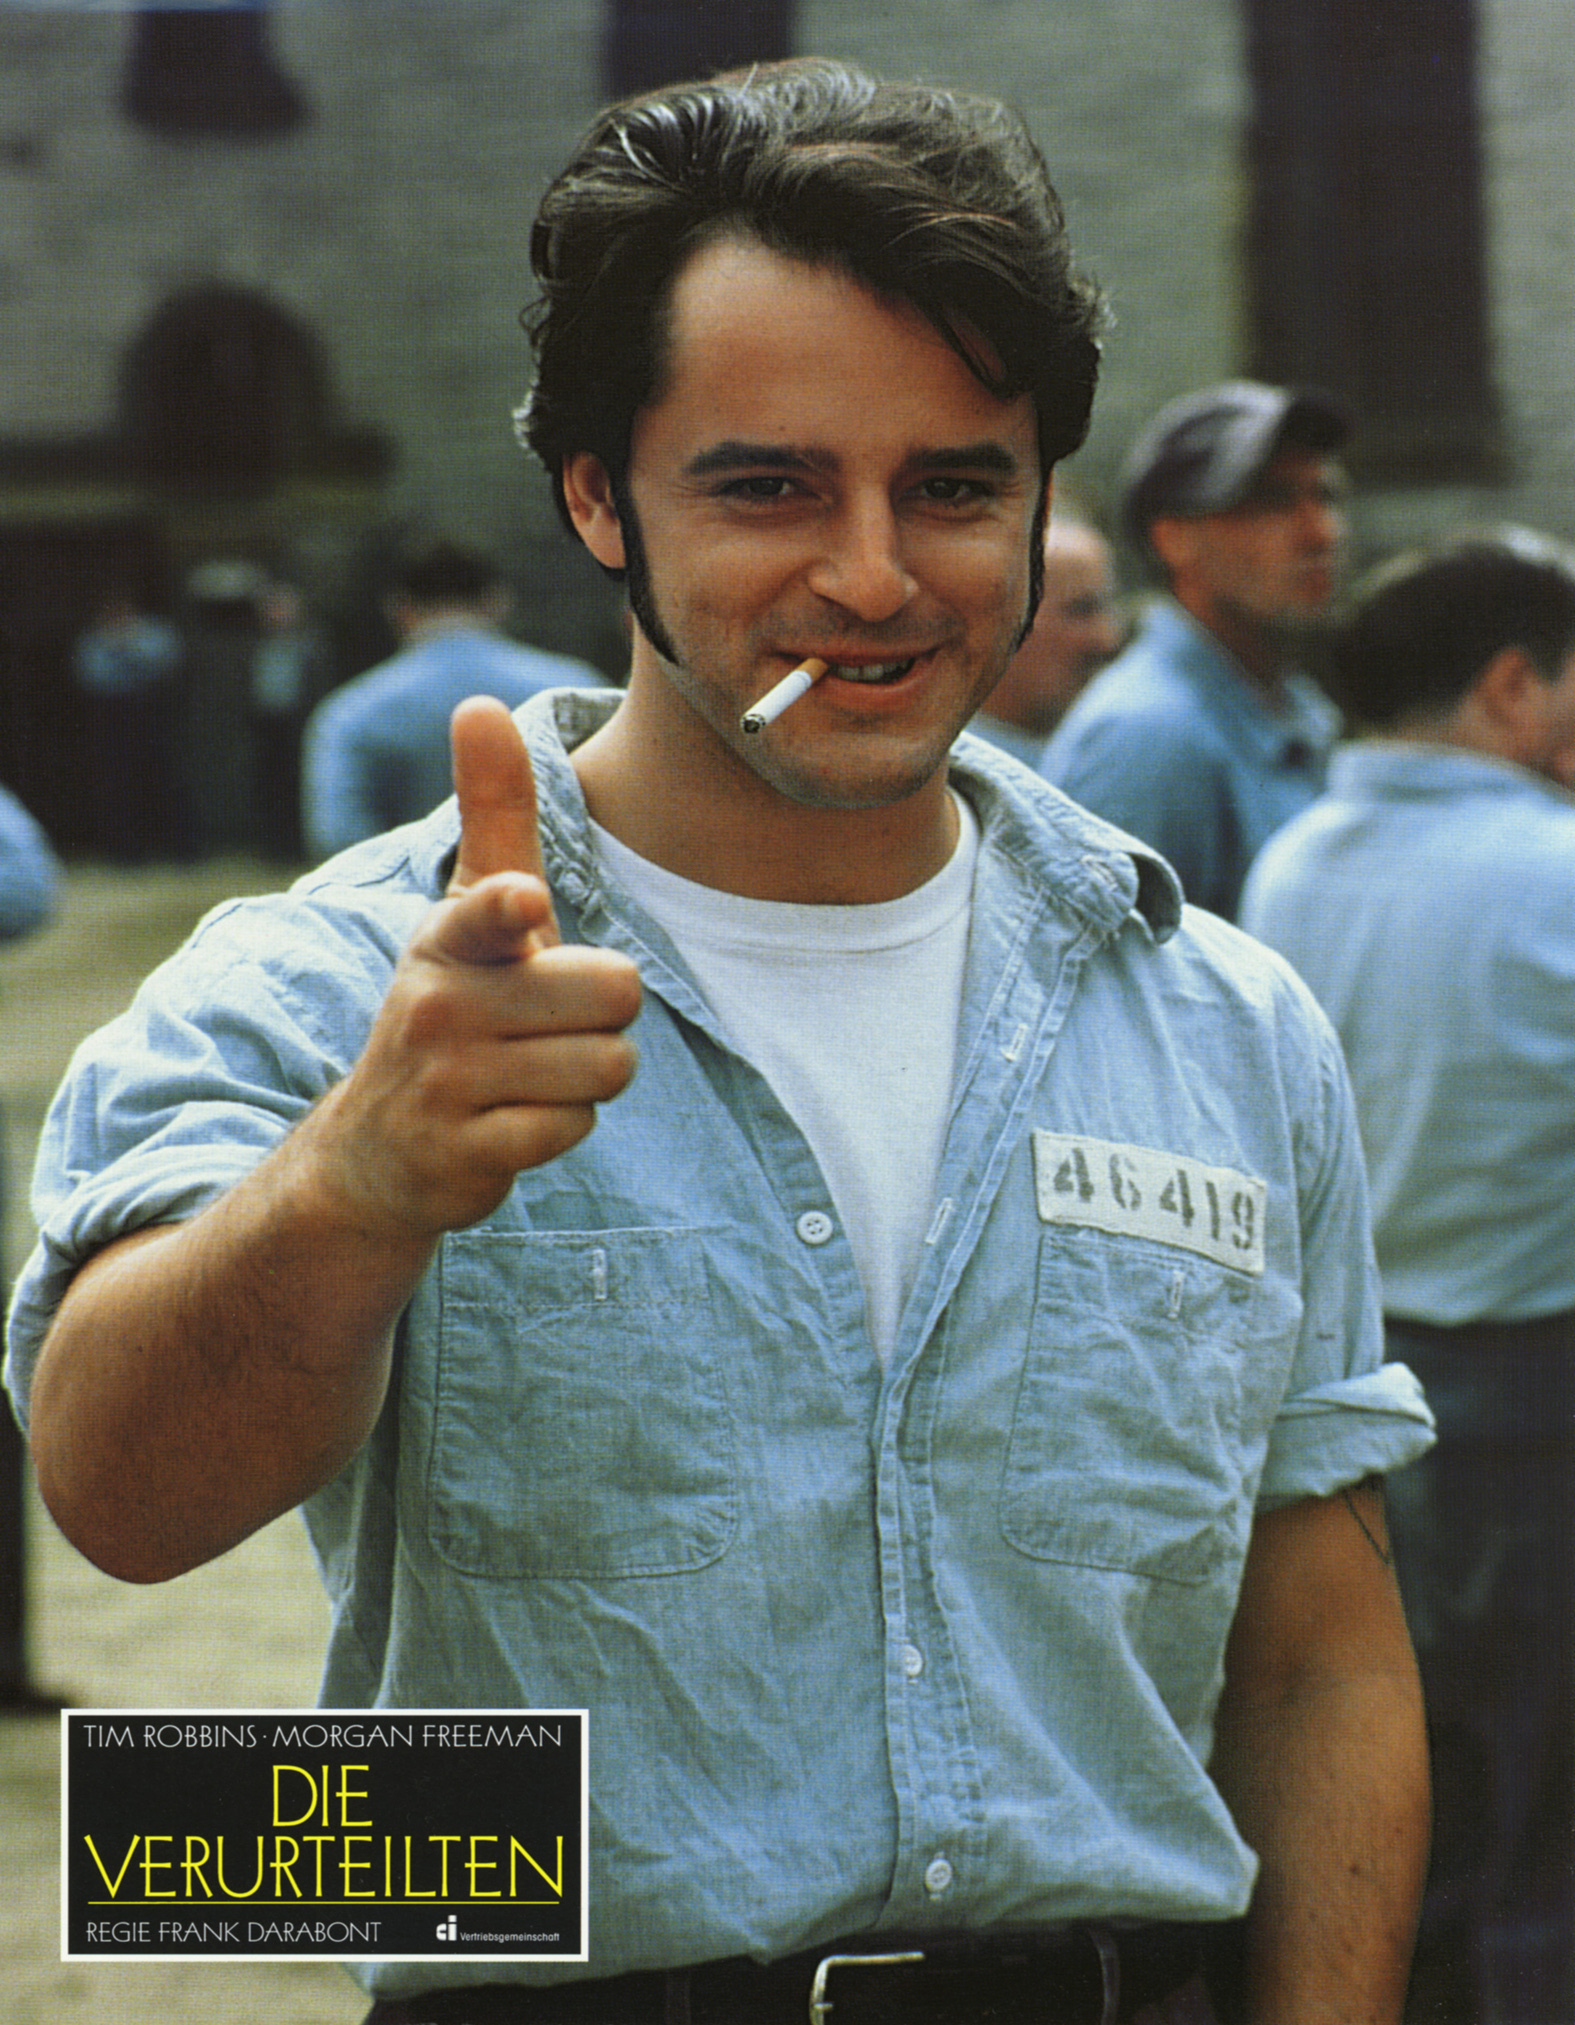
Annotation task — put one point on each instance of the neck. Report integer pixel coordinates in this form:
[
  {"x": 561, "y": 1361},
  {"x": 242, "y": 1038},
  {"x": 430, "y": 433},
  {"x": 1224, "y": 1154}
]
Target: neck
[
  {"x": 1468, "y": 726},
  {"x": 1258, "y": 648},
  {"x": 432, "y": 625},
  {"x": 722, "y": 825}
]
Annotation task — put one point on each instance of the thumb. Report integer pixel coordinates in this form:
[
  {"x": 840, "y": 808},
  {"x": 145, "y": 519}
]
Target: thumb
[{"x": 497, "y": 799}]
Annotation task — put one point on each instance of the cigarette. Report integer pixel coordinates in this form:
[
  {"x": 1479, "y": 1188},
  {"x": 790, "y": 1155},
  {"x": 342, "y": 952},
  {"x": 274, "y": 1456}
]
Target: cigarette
[{"x": 786, "y": 693}]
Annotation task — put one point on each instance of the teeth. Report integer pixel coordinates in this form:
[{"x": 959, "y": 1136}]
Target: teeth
[{"x": 882, "y": 671}]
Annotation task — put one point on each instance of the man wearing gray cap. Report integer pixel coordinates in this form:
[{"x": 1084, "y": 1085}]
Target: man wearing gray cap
[{"x": 1203, "y": 738}]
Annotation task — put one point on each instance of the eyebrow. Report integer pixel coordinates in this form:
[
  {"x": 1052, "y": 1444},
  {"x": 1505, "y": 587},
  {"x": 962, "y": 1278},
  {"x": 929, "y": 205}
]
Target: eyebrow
[{"x": 734, "y": 455}]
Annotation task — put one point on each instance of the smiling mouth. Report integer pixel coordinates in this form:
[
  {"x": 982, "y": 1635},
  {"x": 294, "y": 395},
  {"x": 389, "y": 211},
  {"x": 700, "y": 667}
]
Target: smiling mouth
[{"x": 872, "y": 672}]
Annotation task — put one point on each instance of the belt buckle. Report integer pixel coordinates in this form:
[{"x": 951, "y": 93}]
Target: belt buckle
[{"x": 820, "y": 2004}]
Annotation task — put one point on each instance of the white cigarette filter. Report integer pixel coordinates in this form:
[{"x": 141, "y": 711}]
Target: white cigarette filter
[{"x": 783, "y": 696}]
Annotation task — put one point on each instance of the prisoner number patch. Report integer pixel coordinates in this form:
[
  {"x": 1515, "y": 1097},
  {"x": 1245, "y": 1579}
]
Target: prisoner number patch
[{"x": 1141, "y": 1191}]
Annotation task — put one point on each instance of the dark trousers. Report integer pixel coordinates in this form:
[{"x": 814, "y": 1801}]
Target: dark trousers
[
  {"x": 1148, "y": 1976},
  {"x": 13, "y": 1559},
  {"x": 13, "y": 1500},
  {"x": 1484, "y": 1537},
  {"x": 136, "y": 801}
]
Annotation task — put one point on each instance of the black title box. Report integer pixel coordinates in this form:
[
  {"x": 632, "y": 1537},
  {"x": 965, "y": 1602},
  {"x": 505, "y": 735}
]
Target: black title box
[{"x": 409, "y": 1834}]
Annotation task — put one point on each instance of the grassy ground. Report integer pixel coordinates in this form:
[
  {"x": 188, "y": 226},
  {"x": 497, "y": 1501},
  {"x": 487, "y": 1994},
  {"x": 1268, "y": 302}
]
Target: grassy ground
[{"x": 245, "y": 1632}]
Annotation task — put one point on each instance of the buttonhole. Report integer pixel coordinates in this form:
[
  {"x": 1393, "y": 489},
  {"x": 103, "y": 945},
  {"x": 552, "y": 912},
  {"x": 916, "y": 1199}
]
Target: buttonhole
[{"x": 943, "y": 1217}]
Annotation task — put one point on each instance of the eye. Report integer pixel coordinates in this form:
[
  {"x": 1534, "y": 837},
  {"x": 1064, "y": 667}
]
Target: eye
[
  {"x": 947, "y": 490},
  {"x": 954, "y": 493},
  {"x": 758, "y": 488}
]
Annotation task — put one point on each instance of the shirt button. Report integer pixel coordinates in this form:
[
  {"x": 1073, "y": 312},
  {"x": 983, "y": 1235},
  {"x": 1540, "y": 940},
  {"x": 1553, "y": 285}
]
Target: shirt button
[
  {"x": 815, "y": 1227},
  {"x": 912, "y": 1661},
  {"x": 937, "y": 1876}
]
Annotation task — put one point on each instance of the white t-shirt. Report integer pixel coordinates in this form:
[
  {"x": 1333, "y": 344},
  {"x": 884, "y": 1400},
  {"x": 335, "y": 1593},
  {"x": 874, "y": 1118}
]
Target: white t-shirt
[{"x": 850, "y": 1014}]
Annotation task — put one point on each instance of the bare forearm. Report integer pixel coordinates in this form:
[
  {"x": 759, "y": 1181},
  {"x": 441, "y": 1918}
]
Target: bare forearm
[
  {"x": 1330, "y": 1788},
  {"x": 204, "y": 1378},
  {"x": 200, "y": 1380},
  {"x": 1321, "y": 1754}
]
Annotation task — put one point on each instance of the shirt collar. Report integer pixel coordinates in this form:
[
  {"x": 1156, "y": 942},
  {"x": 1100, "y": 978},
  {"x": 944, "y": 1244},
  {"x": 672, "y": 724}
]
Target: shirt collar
[
  {"x": 1024, "y": 745},
  {"x": 1415, "y": 769},
  {"x": 1091, "y": 867},
  {"x": 1300, "y": 724}
]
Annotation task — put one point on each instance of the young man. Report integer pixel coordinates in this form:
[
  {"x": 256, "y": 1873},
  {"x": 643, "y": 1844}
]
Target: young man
[
  {"x": 929, "y": 1420},
  {"x": 1075, "y": 631},
  {"x": 1202, "y": 738},
  {"x": 1429, "y": 900}
]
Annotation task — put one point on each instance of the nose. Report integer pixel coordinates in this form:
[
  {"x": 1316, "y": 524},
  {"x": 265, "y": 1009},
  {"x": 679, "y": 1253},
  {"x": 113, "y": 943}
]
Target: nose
[
  {"x": 1322, "y": 522},
  {"x": 861, "y": 566}
]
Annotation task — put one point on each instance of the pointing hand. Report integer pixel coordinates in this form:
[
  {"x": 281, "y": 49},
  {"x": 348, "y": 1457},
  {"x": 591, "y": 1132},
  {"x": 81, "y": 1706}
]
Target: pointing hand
[
  {"x": 497, "y": 1040},
  {"x": 498, "y": 834}
]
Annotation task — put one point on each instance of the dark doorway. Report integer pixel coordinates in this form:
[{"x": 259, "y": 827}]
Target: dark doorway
[
  {"x": 52, "y": 580},
  {"x": 647, "y": 43},
  {"x": 1366, "y": 241},
  {"x": 208, "y": 70},
  {"x": 223, "y": 392}
]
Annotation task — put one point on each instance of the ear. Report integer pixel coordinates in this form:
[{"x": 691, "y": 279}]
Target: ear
[
  {"x": 1505, "y": 711},
  {"x": 1508, "y": 686},
  {"x": 588, "y": 494},
  {"x": 1173, "y": 540}
]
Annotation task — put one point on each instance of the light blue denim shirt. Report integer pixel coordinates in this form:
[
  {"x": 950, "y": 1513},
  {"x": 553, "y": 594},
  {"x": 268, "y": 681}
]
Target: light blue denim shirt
[
  {"x": 1024, "y": 745},
  {"x": 376, "y": 751},
  {"x": 1175, "y": 743},
  {"x": 1429, "y": 901},
  {"x": 933, "y": 1645}
]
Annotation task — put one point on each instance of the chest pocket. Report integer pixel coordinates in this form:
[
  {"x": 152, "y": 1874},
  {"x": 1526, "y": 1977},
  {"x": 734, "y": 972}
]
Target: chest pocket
[
  {"x": 581, "y": 1423},
  {"x": 1126, "y": 1445}
]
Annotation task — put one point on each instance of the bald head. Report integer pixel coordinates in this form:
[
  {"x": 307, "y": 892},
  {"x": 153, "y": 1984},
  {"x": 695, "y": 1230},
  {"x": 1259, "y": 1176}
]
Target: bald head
[{"x": 1075, "y": 632}]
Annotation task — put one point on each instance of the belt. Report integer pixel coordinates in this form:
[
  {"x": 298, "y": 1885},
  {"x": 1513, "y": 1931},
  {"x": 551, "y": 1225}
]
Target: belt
[{"x": 1081, "y": 1976}]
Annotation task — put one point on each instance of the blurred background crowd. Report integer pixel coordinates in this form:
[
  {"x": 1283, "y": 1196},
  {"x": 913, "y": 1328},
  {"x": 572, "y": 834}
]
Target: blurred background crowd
[{"x": 263, "y": 268}]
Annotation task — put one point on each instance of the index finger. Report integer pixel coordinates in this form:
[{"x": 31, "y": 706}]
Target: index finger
[{"x": 498, "y": 829}]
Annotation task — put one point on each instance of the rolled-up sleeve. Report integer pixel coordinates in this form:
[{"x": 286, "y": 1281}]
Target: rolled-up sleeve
[
  {"x": 224, "y": 1049},
  {"x": 1346, "y": 1414},
  {"x": 1336, "y": 1434}
]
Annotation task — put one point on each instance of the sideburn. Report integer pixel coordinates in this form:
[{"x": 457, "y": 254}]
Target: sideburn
[
  {"x": 637, "y": 575},
  {"x": 1036, "y": 564}
]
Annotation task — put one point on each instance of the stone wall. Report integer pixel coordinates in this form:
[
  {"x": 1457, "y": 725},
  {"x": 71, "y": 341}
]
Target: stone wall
[{"x": 393, "y": 224}]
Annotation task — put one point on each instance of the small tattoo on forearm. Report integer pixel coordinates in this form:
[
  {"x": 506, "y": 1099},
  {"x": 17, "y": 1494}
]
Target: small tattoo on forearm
[{"x": 1379, "y": 1546}]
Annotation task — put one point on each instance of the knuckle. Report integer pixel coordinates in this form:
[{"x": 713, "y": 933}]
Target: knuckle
[
  {"x": 427, "y": 1016},
  {"x": 613, "y": 984},
  {"x": 559, "y": 1130},
  {"x": 628, "y": 993},
  {"x": 622, "y": 1063}
]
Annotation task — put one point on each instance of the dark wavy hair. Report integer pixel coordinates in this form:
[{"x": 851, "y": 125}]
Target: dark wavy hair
[
  {"x": 926, "y": 196},
  {"x": 1421, "y": 628},
  {"x": 432, "y": 569}
]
